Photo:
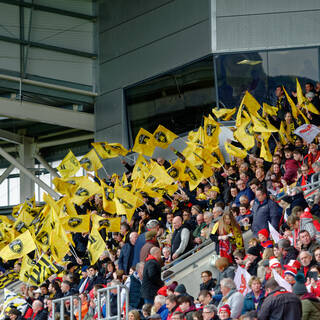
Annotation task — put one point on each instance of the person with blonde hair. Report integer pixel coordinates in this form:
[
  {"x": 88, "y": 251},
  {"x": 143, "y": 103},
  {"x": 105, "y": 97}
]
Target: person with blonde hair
[{"x": 134, "y": 315}]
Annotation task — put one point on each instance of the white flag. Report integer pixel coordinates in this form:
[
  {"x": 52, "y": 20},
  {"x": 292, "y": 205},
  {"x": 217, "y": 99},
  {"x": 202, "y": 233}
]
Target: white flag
[
  {"x": 307, "y": 132},
  {"x": 241, "y": 279},
  {"x": 11, "y": 299},
  {"x": 281, "y": 282},
  {"x": 275, "y": 235}
]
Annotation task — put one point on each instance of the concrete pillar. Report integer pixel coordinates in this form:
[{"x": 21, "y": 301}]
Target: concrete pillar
[{"x": 26, "y": 151}]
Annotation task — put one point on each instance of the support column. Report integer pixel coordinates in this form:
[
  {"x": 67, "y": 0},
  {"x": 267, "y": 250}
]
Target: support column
[{"x": 26, "y": 159}]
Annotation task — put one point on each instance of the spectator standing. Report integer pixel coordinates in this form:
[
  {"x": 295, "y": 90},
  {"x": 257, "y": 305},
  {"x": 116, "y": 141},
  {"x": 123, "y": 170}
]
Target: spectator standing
[{"x": 126, "y": 253}]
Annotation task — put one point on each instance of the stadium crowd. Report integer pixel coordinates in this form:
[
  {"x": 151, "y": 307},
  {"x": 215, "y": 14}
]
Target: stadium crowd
[{"x": 255, "y": 211}]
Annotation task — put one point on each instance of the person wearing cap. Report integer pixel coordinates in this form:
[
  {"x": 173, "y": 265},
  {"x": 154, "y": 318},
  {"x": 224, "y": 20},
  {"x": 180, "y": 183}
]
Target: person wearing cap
[
  {"x": 289, "y": 274},
  {"x": 152, "y": 225},
  {"x": 287, "y": 251},
  {"x": 253, "y": 300},
  {"x": 252, "y": 261},
  {"x": 224, "y": 312},
  {"x": 310, "y": 303},
  {"x": 181, "y": 239},
  {"x": 279, "y": 303},
  {"x": 126, "y": 253},
  {"x": 275, "y": 264},
  {"x": 151, "y": 241},
  {"x": 15, "y": 314},
  {"x": 263, "y": 236}
]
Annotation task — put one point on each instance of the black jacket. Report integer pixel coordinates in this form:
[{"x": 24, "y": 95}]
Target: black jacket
[
  {"x": 41, "y": 315},
  {"x": 292, "y": 254},
  {"x": 126, "y": 258},
  {"x": 281, "y": 305},
  {"x": 151, "y": 280}
]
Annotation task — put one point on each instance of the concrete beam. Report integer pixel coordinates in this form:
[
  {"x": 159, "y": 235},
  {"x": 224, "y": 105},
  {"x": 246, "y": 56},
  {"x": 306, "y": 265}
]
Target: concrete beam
[{"x": 42, "y": 113}]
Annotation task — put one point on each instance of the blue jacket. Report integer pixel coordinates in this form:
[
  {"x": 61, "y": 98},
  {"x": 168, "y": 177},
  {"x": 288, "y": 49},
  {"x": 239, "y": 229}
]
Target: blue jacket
[
  {"x": 137, "y": 248},
  {"x": 163, "y": 311},
  {"x": 126, "y": 258},
  {"x": 248, "y": 303},
  {"x": 246, "y": 192},
  {"x": 265, "y": 212}
]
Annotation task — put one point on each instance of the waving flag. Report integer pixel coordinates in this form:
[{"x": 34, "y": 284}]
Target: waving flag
[{"x": 241, "y": 279}]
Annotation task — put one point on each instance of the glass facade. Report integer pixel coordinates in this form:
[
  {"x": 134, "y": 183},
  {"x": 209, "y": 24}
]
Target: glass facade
[{"x": 179, "y": 99}]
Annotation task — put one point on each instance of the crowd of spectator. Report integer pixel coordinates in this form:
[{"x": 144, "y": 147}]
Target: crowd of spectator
[{"x": 237, "y": 208}]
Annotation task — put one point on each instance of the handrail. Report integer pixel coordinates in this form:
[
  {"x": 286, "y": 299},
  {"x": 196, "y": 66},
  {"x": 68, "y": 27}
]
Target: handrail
[
  {"x": 106, "y": 294},
  {"x": 62, "y": 306},
  {"x": 186, "y": 254}
]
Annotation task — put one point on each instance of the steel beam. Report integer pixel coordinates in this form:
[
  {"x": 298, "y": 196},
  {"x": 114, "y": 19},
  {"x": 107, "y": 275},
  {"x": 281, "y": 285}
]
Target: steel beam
[
  {"x": 48, "y": 47},
  {"x": 51, "y": 9},
  {"x": 10, "y": 137},
  {"x": 39, "y": 182},
  {"x": 45, "y": 114},
  {"x": 46, "y": 164},
  {"x": 6, "y": 173}
]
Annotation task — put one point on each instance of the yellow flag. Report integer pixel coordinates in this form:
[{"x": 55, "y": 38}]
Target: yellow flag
[
  {"x": 270, "y": 110},
  {"x": 215, "y": 228},
  {"x": 262, "y": 125},
  {"x": 144, "y": 143},
  {"x": 91, "y": 161},
  {"x": 197, "y": 137},
  {"x": 303, "y": 101},
  {"x": 141, "y": 167},
  {"x": 110, "y": 224},
  {"x": 248, "y": 103},
  {"x": 265, "y": 150},
  {"x": 107, "y": 198},
  {"x": 224, "y": 113},
  {"x": 235, "y": 151},
  {"x": 244, "y": 133},
  {"x": 109, "y": 150},
  {"x": 176, "y": 170},
  {"x": 19, "y": 247},
  {"x": 69, "y": 166},
  {"x": 62, "y": 186},
  {"x": 211, "y": 131},
  {"x": 218, "y": 157},
  {"x": 296, "y": 113},
  {"x": 66, "y": 207},
  {"x": 158, "y": 176},
  {"x": 163, "y": 137},
  {"x": 194, "y": 176},
  {"x": 85, "y": 190},
  {"x": 96, "y": 246},
  {"x": 80, "y": 223}
]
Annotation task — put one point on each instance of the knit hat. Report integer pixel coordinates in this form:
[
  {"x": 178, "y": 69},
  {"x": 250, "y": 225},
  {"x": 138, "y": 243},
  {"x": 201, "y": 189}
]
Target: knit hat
[
  {"x": 150, "y": 234},
  {"x": 294, "y": 264},
  {"x": 292, "y": 271},
  {"x": 299, "y": 287},
  {"x": 162, "y": 291},
  {"x": 173, "y": 285},
  {"x": 264, "y": 232},
  {"x": 84, "y": 268},
  {"x": 180, "y": 289},
  {"x": 225, "y": 308},
  {"x": 274, "y": 263},
  {"x": 254, "y": 251}
]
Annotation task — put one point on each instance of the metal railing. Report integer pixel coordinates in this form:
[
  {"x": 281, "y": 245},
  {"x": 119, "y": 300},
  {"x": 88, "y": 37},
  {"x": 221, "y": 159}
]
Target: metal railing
[
  {"x": 60, "y": 304},
  {"x": 104, "y": 294}
]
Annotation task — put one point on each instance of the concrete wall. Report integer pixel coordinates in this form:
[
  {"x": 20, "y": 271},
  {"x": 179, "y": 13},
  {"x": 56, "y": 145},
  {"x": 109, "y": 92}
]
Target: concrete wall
[{"x": 140, "y": 39}]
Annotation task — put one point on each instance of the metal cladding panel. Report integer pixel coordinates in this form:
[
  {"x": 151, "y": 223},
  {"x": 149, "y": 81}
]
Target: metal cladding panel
[
  {"x": 60, "y": 66},
  {"x": 245, "y": 7},
  {"x": 9, "y": 17},
  {"x": 152, "y": 27},
  {"x": 111, "y": 134},
  {"x": 116, "y": 12},
  {"x": 109, "y": 109},
  {"x": 157, "y": 57},
  {"x": 278, "y": 30},
  {"x": 9, "y": 56}
]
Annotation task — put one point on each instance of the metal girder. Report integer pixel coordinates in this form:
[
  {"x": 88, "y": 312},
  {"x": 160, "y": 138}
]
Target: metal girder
[
  {"x": 45, "y": 164},
  {"x": 11, "y": 137},
  {"x": 28, "y": 173},
  {"x": 6, "y": 173},
  {"x": 42, "y": 113},
  {"x": 48, "y": 47},
  {"x": 51, "y": 9}
]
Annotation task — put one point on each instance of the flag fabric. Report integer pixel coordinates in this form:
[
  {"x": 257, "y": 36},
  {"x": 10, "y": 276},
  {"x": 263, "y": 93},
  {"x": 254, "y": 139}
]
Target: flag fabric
[
  {"x": 270, "y": 110},
  {"x": 8, "y": 278},
  {"x": 281, "y": 282},
  {"x": 91, "y": 161},
  {"x": 241, "y": 280},
  {"x": 244, "y": 133},
  {"x": 235, "y": 151},
  {"x": 265, "y": 150},
  {"x": 304, "y": 102},
  {"x": 108, "y": 198},
  {"x": 79, "y": 223},
  {"x": 109, "y": 150},
  {"x": 224, "y": 113},
  {"x": 19, "y": 247},
  {"x": 211, "y": 130},
  {"x": 248, "y": 103},
  {"x": 194, "y": 176},
  {"x": 163, "y": 137},
  {"x": 176, "y": 170},
  {"x": 144, "y": 143},
  {"x": 197, "y": 136},
  {"x": 12, "y": 300},
  {"x": 307, "y": 132},
  {"x": 96, "y": 246},
  {"x": 110, "y": 224},
  {"x": 262, "y": 125},
  {"x": 274, "y": 234},
  {"x": 141, "y": 167},
  {"x": 86, "y": 189},
  {"x": 69, "y": 166}
]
